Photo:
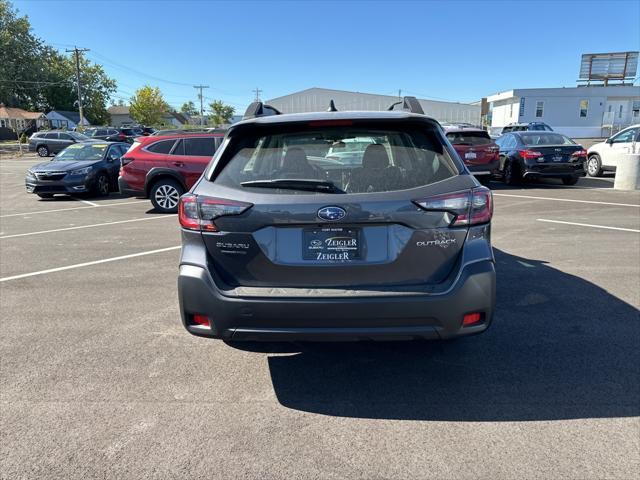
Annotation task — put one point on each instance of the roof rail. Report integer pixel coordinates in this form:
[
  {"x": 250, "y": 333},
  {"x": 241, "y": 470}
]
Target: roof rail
[
  {"x": 408, "y": 103},
  {"x": 259, "y": 109}
]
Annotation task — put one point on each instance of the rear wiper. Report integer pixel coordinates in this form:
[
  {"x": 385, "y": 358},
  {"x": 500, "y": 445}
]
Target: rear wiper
[{"x": 307, "y": 184}]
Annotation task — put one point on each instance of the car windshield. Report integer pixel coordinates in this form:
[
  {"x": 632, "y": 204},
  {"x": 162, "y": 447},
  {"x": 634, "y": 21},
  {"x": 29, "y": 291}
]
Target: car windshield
[
  {"x": 470, "y": 138},
  {"x": 337, "y": 160},
  {"x": 90, "y": 132},
  {"x": 540, "y": 138},
  {"x": 80, "y": 152}
]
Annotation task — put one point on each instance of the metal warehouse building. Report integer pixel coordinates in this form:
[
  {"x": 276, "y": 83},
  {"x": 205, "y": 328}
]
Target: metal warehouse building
[{"x": 317, "y": 100}]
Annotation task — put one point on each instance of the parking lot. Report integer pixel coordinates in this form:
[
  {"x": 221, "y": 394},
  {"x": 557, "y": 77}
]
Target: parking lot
[{"x": 99, "y": 378}]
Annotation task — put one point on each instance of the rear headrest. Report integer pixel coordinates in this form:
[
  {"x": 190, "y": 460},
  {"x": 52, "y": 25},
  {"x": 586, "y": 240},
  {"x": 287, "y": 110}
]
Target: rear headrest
[
  {"x": 375, "y": 157},
  {"x": 295, "y": 160}
]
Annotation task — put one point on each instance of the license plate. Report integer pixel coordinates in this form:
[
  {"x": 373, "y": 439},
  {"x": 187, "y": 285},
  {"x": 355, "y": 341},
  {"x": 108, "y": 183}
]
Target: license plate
[
  {"x": 331, "y": 244},
  {"x": 557, "y": 158},
  {"x": 470, "y": 156}
]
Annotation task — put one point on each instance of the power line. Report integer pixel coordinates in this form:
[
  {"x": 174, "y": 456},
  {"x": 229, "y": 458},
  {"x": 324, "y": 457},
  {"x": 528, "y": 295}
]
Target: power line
[
  {"x": 77, "y": 51},
  {"x": 200, "y": 87}
]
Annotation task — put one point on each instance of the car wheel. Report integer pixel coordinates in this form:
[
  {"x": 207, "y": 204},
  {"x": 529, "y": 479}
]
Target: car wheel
[
  {"x": 594, "y": 166},
  {"x": 511, "y": 174},
  {"x": 102, "y": 185},
  {"x": 165, "y": 195},
  {"x": 45, "y": 195},
  {"x": 570, "y": 180},
  {"x": 43, "y": 151}
]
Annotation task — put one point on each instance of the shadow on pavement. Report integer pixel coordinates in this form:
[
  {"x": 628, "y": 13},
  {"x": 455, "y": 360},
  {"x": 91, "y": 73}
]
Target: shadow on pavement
[{"x": 560, "y": 347}]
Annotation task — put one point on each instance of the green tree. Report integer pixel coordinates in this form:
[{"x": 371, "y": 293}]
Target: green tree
[
  {"x": 148, "y": 106},
  {"x": 189, "y": 108},
  {"x": 220, "y": 112}
]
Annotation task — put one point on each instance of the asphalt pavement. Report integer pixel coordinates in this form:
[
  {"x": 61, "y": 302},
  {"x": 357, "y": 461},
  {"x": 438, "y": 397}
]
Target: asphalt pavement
[{"x": 98, "y": 378}]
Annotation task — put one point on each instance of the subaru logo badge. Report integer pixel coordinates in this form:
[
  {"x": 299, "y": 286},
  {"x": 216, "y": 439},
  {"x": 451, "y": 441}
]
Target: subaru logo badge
[{"x": 331, "y": 213}]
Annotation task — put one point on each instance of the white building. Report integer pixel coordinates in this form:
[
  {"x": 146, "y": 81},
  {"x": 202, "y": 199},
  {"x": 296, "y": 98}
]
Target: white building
[
  {"x": 578, "y": 112},
  {"x": 317, "y": 100}
]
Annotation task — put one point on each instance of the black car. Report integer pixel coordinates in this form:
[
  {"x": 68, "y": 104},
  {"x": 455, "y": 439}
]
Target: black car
[
  {"x": 525, "y": 127},
  {"x": 51, "y": 142},
  {"x": 281, "y": 243},
  {"x": 88, "y": 167},
  {"x": 148, "y": 131},
  {"x": 129, "y": 134},
  {"x": 530, "y": 155},
  {"x": 105, "y": 133}
]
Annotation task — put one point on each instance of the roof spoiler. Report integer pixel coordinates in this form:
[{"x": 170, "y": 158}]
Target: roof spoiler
[
  {"x": 259, "y": 109},
  {"x": 410, "y": 104}
]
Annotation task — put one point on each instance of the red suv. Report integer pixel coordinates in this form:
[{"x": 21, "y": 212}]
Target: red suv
[
  {"x": 164, "y": 167},
  {"x": 479, "y": 153}
]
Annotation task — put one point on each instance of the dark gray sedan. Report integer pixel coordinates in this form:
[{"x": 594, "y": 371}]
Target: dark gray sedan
[{"x": 89, "y": 167}]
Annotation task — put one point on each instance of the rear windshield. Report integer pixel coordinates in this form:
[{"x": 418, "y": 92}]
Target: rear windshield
[
  {"x": 469, "y": 138},
  {"x": 354, "y": 160},
  {"x": 540, "y": 138}
]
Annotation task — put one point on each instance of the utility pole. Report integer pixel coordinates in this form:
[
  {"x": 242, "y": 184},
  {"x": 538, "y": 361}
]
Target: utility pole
[
  {"x": 257, "y": 92},
  {"x": 200, "y": 87},
  {"x": 77, "y": 51},
  {"x": 399, "y": 94}
]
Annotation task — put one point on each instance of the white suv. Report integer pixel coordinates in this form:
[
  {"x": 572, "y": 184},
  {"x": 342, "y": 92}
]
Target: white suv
[{"x": 606, "y": 155}]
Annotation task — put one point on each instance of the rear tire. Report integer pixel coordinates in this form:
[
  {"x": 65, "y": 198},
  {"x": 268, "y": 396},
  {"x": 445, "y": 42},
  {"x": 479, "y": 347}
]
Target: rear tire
[
  {"x": 43, "y": 151},
  {"x": 511, "y": 174},
  {"x": 594, "y": 166},
  {"x": 570, "y": 181},
  {"x": 165, "y": 195},
  {"x": 45, "y": 195}
]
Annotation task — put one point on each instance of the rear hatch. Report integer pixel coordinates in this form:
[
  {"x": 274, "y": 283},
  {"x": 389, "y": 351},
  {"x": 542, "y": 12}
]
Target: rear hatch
[
  {"x": 475, "y": 147},
  {"x": 551, "y": 150},
  {"x": 282, "y": 212}
]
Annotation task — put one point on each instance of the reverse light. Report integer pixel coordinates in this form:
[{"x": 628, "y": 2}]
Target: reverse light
[
  {"x": 198, "y": 212},
  {"x": 469, "y": 207},
  {"x": 529, "y": 154}
]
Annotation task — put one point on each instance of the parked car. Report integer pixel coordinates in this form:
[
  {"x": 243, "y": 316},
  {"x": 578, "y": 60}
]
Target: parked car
[
  {"x": 537, "y": 154},
  {"x": 47, "y": 143},
  {"x": 87, "y": 167},
  {"x": 129, "y": 134},
  {"x": 148, "y": 131},
  {"x": 476, "y": 149},
  {"x": 525, "y": 127},
  {"x": 604, "y": 156},
  {"x": 105, "y": 133},
  {"x": 396, "y": 246},
  {"x": 163, "y": 168}
]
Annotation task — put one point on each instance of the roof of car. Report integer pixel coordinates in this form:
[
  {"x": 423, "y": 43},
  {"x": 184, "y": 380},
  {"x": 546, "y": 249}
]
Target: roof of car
[
  {"x": 328, "y": 116},
  {"x": 179, "y": 135}
]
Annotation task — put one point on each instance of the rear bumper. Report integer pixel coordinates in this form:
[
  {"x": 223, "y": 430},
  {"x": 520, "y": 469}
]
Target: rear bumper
[
  {"x": 404, "y": 317},
  {"x": 554, "y": 171},
  {"x": 485, "y": 169},
  {"x": 126, "y": 189}
]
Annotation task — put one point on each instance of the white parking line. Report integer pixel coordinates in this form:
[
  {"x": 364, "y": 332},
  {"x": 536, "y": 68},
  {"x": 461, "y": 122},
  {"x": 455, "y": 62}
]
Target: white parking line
[
  {"x": 88, "y": 264},
  {"x": 72, "y": 208},
  {"x": 566, "y": 200},
  {"x": 86, "y": 226},
  {"x": 589, "y": 225},
  {"x": 86, "y": 202}
]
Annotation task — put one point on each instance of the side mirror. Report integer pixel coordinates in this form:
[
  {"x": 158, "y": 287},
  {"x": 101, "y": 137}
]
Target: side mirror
[{"x": 609, "y": 141}]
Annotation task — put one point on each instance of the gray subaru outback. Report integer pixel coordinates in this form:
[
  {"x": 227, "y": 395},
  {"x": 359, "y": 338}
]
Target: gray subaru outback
[{"x": 336, "y": 226}]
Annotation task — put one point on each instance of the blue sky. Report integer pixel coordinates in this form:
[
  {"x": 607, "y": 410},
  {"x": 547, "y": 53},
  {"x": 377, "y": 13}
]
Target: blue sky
[{"x": 456, "y": 50}]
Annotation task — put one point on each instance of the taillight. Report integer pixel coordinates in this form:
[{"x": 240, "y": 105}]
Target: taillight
[
  {"x": 529, "y": 154},
  {"x": 579, "y": 153},
  {"x": 122, "y": 136},
  {"x": 199, "y": 213},
  {"x": 467, "y": 208}
]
